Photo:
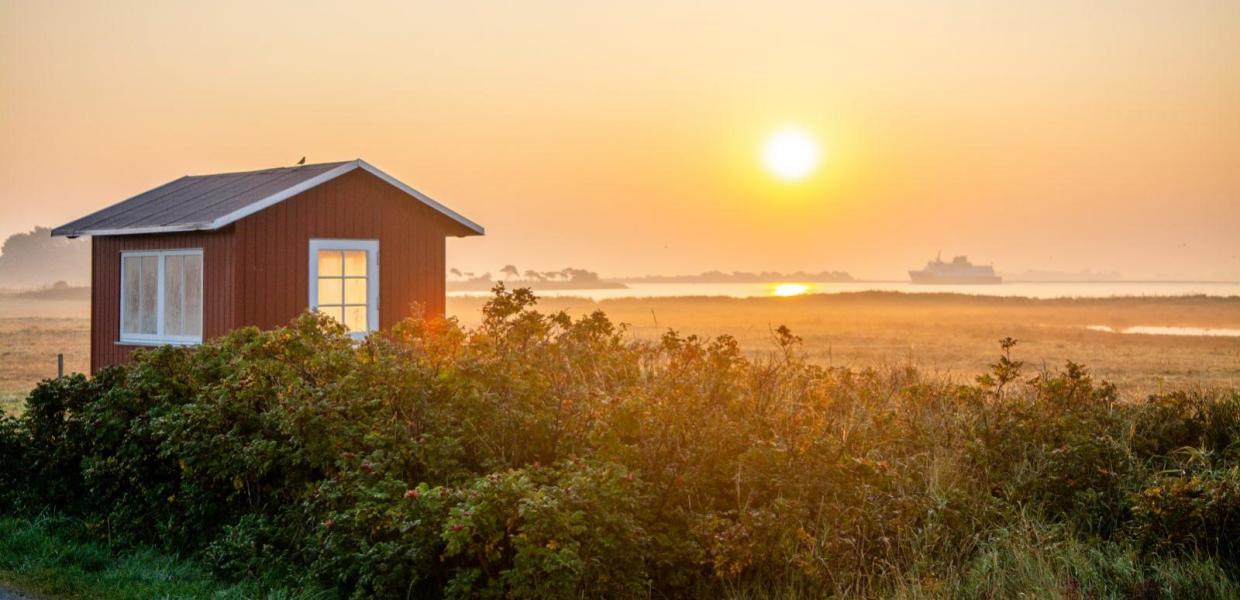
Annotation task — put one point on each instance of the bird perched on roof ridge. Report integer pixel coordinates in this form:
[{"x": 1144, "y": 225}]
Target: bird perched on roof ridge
[{"x": 302, "y": 161}]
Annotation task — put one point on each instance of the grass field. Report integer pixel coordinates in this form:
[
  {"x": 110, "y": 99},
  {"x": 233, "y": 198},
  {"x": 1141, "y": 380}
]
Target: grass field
[
  {"x": 951, "y": 335},
  {"x": 32, "y": 333}
]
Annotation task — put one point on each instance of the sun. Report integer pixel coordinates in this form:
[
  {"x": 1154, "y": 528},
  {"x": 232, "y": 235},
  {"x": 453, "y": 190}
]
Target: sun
[{"x": 791, "y": 154}]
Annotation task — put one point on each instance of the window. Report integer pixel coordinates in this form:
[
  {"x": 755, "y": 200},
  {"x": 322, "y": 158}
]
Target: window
[
  {"x": 161, "y": 297},
  {"x": 344, "y": 282}
]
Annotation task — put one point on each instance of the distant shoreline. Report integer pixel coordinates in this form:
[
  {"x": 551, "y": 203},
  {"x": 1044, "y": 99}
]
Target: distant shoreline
[
  {"x": 788, "y": 288},
  {"x": 75, "y": 292},
  {"x": 744, "y": 278},
  {"x": 486, "y": 286}
]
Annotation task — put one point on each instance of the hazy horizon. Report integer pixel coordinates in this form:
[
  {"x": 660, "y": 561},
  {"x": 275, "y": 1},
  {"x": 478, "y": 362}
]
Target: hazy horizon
[{"x": 627, "y": 139}]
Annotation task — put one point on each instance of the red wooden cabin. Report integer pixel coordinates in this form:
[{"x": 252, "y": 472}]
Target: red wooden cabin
[{"x": 201, "y": 255}]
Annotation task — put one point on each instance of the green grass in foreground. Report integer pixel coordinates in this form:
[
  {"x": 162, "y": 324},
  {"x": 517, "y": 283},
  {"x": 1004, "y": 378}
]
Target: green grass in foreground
[
  {"x": 42, "y": 556},
  {"x": 1028, "y": 559},
  {"x": 1032, "y": 559}
]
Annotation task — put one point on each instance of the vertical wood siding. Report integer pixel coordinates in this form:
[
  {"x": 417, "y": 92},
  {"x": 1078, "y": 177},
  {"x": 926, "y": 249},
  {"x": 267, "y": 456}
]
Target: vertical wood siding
[
  {"x": 273, "y": 249},
  {"x": 105, "y": 295},
  {"x": 256, "y": 271}
]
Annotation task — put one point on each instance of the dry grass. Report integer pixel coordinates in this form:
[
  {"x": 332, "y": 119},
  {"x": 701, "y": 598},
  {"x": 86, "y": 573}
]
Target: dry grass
[
  {"x": 28, "y": 349},
  {"x": 947, "y": 334},
  {"x": 32, "y": 333},
  {"x": 952, "y": 334}
]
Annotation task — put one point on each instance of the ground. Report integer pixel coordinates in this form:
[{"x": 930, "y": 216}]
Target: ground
[
  {"x": 947, "y": 334},
  {"x": 13, "y": 595},
  {"x": 10, "y": 594}
]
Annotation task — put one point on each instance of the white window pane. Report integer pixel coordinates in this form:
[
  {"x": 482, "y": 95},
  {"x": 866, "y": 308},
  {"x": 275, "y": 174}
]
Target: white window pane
[
  {"x": 335, "y": 312},
  {"x": 344, "y": 281},
  {"x": 355, "y": 263},
  {"x": 174, "y": 277},
  {"x": 331, "y": 263},
  {"x": 131, "y": 277},
  {"x": 150, "y": 295},
  {"x": 330, "y": 290},
  {"x": 355, "y": 291},
  {"x": 355, "y": 318},
  {"x": 193, "y": 296}
]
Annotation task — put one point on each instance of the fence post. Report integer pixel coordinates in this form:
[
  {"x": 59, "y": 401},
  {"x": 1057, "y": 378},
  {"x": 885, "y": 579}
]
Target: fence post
[{"x": 60, "y": 365}]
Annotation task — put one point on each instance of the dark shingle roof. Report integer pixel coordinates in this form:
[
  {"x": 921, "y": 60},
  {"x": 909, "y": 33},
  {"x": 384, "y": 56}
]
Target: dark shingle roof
[{"x": 205, "y": 202}]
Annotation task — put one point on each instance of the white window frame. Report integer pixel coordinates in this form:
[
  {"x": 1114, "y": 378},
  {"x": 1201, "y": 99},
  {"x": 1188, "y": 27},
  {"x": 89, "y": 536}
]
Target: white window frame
[
  {"x": 158, "y": 338},
  {"x": 372, "y": 276}
]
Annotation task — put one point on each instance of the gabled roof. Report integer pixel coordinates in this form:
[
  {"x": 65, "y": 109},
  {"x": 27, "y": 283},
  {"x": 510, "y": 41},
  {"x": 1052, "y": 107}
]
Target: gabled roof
[{"x": 207, "y": 202}]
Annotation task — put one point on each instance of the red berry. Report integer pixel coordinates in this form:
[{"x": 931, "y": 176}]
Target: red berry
[{"x": 412, "y": 494}]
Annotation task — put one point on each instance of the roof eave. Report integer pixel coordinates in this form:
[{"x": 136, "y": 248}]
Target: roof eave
[
  {"x": 474, "y": 228},
  {"x": 62, "y": 232}
]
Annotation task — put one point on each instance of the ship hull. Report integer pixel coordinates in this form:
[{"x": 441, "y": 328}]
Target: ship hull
[{"x": 941, "y": 279}]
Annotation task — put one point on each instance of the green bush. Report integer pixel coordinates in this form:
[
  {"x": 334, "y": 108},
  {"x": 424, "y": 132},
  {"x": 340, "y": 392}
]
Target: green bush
[
  {"x": 546, "y": 456},
  {"x": 1187, "y": 419},
  {"x": 52, "y": 442},
  {"x": 14, "y": 469},
  {"x": 1062, "y": 445},
  {"x": 549, "y": 532},
  {"x": 375, "y": 535},
  {"x": 1199, "y": 511}
]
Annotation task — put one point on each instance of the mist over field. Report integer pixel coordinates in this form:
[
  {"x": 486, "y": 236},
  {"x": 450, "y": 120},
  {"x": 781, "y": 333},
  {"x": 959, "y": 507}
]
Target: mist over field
[{"x": 35, "y": 259}]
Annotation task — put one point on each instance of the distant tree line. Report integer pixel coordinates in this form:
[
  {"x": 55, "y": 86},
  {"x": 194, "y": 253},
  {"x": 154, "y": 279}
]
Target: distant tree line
[
  {"x": 36, "y": 259},
  {"x": 510, "y": 273}
]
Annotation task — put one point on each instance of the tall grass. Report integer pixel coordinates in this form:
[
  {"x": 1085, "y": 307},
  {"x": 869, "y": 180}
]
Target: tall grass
[{"x": 1033, "y": 559}]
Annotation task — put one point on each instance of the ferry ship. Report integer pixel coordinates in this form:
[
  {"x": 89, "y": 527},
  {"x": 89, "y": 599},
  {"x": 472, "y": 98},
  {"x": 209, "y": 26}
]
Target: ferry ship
[{"x": 958, "y": 271}]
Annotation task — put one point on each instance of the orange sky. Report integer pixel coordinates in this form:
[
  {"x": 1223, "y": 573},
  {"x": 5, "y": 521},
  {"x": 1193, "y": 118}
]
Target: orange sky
[{"x": 625, "y": 136}]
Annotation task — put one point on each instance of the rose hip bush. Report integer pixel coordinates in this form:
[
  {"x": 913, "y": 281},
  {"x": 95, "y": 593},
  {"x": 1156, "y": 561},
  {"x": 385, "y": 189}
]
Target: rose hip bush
[{"x": 540, "y": 455}]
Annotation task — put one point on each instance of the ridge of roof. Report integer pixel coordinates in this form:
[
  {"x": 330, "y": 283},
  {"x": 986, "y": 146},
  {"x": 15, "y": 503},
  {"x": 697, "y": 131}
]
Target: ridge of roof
[{"x": 274, "y": 169}]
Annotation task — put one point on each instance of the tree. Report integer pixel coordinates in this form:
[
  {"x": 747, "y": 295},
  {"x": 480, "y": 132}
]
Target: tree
[
  {"x": 510, "y": 271},
  {"x": 36, "y": 259},
  {"x": 580, "y": 275}
]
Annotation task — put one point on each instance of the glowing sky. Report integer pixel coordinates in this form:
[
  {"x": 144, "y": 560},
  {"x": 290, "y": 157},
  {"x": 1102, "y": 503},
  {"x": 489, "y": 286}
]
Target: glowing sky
[{"x": 626, "y": 137}]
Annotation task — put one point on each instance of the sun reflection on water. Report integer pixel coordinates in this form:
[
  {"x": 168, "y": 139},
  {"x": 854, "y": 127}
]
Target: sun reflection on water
[{"x": 784, "y": 290}]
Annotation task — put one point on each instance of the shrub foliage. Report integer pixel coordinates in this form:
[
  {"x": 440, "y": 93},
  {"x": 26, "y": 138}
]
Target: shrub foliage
[{"x": 539, "y": 455}]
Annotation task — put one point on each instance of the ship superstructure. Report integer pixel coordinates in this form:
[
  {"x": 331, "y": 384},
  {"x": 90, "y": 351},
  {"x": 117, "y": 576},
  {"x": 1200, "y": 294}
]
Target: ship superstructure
[{"x": 958, "y": 271}]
